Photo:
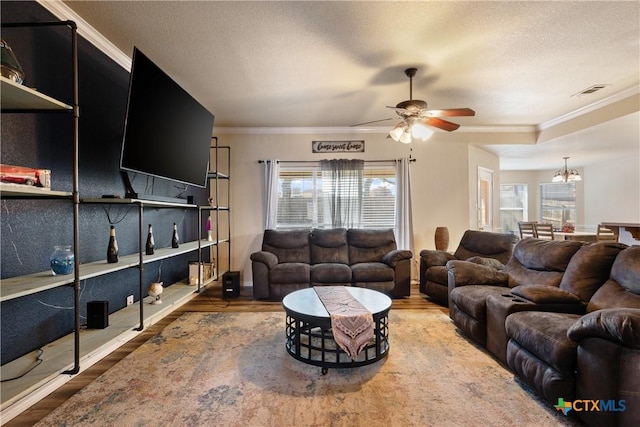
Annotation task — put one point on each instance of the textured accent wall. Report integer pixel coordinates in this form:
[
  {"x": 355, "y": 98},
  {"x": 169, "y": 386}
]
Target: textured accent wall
[{"x": 30, "y": 229}]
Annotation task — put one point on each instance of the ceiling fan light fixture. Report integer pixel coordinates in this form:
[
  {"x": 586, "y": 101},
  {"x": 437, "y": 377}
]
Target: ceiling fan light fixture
[
  {"x": 418, "y": 130},
  {"x": 406, "y": 137},
  {"x": 565, "y": 174},
  {"x": 396, "y": 132}
]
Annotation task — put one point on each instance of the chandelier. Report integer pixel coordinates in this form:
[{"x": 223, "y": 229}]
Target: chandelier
[{"x": 566, "y": 174}]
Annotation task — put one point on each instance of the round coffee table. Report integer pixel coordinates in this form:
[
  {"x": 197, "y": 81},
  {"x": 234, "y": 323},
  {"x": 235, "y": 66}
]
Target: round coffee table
[{"x": 309, "y": 336}]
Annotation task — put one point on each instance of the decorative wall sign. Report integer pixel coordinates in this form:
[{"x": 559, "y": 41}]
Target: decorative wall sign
[{"x": 337, "y": 146}]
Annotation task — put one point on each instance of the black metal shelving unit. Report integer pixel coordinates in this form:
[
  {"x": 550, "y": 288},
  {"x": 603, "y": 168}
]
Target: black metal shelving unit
[{"x": 21, "y": 99}]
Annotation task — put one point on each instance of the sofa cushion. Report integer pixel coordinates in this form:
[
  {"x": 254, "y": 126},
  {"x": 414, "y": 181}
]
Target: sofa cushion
[
  {"x": 330, "y": 273},
  {"x": 544, "y": 334},
  {"x": 329, "y": 245},
  {"x": 288, "y": 246},
  {"x": 623, "y": 287},
  {"x": 589, "y": 268},
  {"x": 290, "y": 272},
  {"x": 485, "y": 244},
  {"x": 543, "y": 294},
  {"x": 438, "y": 274},
  {"x": 540, "y": 262},
  {"x": 372, "y": 272},
  {"x": 369, "y": 245},
  {"x": 487, "y": 262},
  {"x": 471, "y": 299}
]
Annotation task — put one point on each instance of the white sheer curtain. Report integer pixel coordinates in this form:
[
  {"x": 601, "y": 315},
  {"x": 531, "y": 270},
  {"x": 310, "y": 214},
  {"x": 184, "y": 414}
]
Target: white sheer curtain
[
  {"x": 342, "y": 191},
  {"x": 404, "y": 224},
  {"x": 271, "y": 176}
]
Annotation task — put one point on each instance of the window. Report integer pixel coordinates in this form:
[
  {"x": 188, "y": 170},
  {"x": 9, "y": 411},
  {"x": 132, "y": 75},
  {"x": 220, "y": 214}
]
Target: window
[
  {"x": 513, "y": 206},
  {"x": 558, "y": 203},
  {"x": 304, "y": 194}
]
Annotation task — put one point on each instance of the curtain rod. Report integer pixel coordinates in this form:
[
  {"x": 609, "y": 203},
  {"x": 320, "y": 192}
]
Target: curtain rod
[{"x": 316, "y": 161}]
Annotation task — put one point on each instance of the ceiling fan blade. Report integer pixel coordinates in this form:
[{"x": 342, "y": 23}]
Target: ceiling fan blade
[
  {"x": 441, "y": 124},
  {"x": 451, "y": 112},
  {"x": 375, "y": 121}
]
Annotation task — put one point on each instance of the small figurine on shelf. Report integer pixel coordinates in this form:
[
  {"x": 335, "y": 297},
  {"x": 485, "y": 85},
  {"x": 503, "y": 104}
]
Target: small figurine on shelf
[
  {"x": 155, "y": 289},
  {"x": 209, "y": 235},
  {"x": 151, "y": 245},
  {"x": 175, "y": 240},
  {"x": 112, "y": 249}
]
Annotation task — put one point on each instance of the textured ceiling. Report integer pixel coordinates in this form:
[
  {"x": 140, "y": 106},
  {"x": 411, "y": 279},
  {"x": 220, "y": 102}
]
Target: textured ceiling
[{"x": 333, "y": 64}]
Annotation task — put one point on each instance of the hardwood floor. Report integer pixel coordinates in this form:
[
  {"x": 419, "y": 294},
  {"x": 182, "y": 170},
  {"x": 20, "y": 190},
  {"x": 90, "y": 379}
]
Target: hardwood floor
[{"x": 209, "y": 300}]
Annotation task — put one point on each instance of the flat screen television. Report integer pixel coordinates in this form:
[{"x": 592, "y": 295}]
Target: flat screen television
[{"x": 167, "y": 133}]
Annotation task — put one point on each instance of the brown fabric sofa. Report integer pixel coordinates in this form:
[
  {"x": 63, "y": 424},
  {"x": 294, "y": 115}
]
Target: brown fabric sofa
[
  {"x": 297, "y": 259},
  {"x": 491, "y": 249},
  {"x": 591, "y": 357},
  {"x": 534, "y": 262}
]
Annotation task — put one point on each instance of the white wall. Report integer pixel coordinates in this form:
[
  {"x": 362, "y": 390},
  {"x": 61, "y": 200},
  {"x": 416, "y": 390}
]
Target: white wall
[
  {"x": 440, "y": 182},
  {"x": 612, "y": 191},
  {"x": 608, "y": 192}
]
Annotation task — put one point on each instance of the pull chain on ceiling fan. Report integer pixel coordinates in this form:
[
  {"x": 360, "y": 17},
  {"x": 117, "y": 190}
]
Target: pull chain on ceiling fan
[{"x": 416, "y": 119}]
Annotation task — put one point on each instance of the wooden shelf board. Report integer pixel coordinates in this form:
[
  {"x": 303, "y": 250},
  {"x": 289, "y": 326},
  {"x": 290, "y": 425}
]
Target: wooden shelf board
[
  {"x": 20, "y": 286},
  {"x": 25, "y": 191},
  {"x": 19, "y": 97},
  {"x": 94, "y": 344}
]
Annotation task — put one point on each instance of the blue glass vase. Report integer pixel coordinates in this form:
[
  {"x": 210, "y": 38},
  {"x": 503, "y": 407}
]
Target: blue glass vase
[{"x": 62, "y": 260}]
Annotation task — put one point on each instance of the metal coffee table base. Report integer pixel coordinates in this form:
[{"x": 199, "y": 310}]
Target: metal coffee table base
[{"x": 312, "y": 342}]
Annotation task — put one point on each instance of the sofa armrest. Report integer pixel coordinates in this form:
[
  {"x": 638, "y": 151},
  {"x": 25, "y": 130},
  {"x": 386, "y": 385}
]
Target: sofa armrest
[
  {"x": 461, "y": 273},
  {"x": 619, "y": 325},
  {"x": 394, "y": 257},
  {"x": 430, "y": 257},
  {"x": 265, "y": 257},
  {"x": 545, "y": 294}
]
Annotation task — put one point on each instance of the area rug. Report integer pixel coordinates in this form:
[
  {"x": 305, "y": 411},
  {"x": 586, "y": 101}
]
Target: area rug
[{"x": 232, "y": 369}]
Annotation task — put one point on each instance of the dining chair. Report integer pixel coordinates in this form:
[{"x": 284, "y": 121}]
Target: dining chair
[
  {"x": 543, "y": 231},
  {"x": 604, "y": 234},
  {"x": 526, "y": 229}
]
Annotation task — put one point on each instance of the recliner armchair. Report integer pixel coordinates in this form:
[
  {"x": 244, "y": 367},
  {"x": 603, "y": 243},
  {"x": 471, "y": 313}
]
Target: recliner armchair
[{"x": 482, "y": 247}]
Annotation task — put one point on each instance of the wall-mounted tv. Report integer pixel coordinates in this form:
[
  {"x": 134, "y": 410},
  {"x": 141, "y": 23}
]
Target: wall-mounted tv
[{"x": 167, "y": 133}]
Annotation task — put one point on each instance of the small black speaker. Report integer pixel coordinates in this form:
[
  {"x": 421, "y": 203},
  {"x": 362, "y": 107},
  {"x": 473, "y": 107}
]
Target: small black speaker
[
  {"x": 231, "y": 284},
  {"x": 97, "y": 314}
]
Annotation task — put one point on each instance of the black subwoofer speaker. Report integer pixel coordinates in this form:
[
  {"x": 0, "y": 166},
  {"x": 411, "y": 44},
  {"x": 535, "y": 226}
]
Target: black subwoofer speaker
[
  {"x": 231, "y": 284},
  {"x": 97, "y": 314}
]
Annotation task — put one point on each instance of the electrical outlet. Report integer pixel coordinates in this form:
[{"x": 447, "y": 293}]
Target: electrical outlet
[{"x": 129, "y": 300}]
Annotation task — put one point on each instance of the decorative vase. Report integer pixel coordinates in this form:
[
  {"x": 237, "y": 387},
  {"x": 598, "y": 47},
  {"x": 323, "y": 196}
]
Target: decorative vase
[
  {"x": 442, "y": 238},
  {"x": 62, "y": 260}
]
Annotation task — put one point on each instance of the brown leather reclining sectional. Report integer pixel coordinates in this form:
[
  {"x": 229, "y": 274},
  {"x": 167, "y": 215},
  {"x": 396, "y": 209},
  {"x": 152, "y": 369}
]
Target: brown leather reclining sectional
[{"x": 565, "y": 317}]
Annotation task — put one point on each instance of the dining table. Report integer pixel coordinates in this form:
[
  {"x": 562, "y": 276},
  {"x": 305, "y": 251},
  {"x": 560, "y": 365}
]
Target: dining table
[{"x": 583, "y": 236}]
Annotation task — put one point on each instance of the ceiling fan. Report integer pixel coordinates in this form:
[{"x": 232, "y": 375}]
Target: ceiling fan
[{"x": 416, "y": 117}]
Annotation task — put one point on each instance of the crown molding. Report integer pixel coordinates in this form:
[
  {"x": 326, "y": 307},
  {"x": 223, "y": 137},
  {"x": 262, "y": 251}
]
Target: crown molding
[
  {"x": 65, "y": 13},
  {"x": 364, "y": 130},
  {"x": 633, "y": 90}
]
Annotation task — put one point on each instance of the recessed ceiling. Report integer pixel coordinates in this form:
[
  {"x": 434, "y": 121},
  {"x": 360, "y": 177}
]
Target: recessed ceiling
[{"x": 333, "y": 64}]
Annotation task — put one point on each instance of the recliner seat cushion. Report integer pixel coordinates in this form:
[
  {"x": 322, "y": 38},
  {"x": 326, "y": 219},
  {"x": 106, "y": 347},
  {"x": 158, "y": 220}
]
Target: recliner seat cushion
[
  {"x": 544, "y": 334},
  {"x": 371, "y": 272},
  {"x": 290, "y": 272},
  {"x": 330, "y": 273},
  {"x": 471, "y": 299}
]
